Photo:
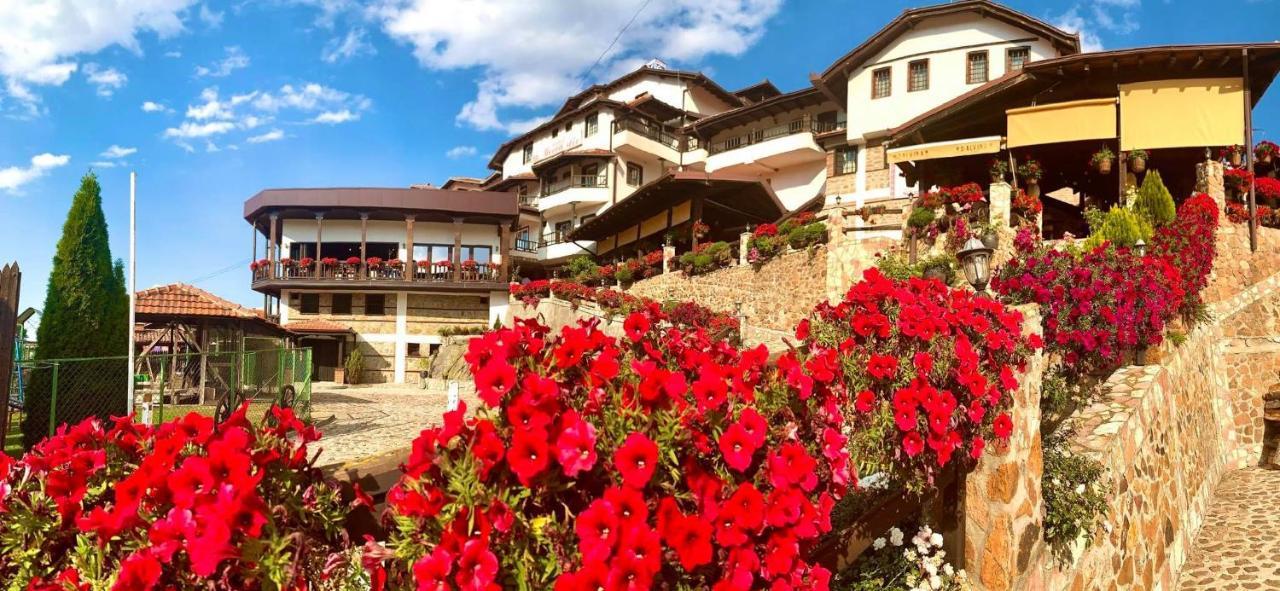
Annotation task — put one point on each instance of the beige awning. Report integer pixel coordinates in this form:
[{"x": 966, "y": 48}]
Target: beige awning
[
  {"x": 1182, "y": 113},
  {"x": 1072, "y": 121},
  {"x": 948, "y": 149}
]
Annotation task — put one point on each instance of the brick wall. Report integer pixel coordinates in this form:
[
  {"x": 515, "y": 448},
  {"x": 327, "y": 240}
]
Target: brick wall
[
  {"x": 877, "y": 168},
  {"x": 842, "y": 184}
]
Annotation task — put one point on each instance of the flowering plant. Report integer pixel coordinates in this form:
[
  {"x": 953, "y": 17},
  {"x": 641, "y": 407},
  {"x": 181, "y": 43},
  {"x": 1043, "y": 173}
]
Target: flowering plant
[
  {"x": 179, "y": 506},
  {"x": 1075, "y": 494},
  {"x": 999, "y": 169},
  {"x": 372, "y": 262},
  {"x": 965, "y": 194},
  {"x": 700, "y": 229},
  {"x": 395, "y": 263},
  {"x": 286, "y": 262},
  {"x": 1188, "y": 243},
  {"x": 423, "y": 264},
  {"x": 661, "y": 460},
  {"x": 707, "y": 256},
  {"x": 445, "y": 264},
  {"x": 1104, "y": 154},
  {"x": 929, "y": 371},
  {"x": 306, "y": 262},
  {"x": 1237, "y": 180},
  {"x": 1268, "y": 189},
  {"x": 1026, "y": 205},
  {"x": 470, "y": 264},
  {"x": 930, "y": 200},
  {"x": 1098, "y": 305},
  {"x": 1030, "y": 169},
  {"x": 1265, "y": 149},
  {"x": 260, "y": 264},
  {"x": 894, "y": 565},
  {"x": 332, "y": 261},
  {"x": 1228, "y": 152},
  {"x": 765, "y": 230}
]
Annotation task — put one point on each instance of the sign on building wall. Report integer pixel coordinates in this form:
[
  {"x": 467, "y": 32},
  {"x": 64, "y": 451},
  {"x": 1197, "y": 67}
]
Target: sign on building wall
[{"x": 950, "y": 149}]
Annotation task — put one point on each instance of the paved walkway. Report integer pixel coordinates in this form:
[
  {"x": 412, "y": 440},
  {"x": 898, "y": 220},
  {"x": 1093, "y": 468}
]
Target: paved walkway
[
  {"x": 1239, "y": 545},
  {"x": 367, "y": 420}
]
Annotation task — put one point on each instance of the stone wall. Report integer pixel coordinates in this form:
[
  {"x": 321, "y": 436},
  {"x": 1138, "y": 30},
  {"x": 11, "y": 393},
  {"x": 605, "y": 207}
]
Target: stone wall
[{"x": 775, "y": 296}]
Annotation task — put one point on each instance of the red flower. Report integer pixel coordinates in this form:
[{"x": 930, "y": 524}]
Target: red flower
[
  {"x": 576, "y": 445},
  {"x": 629, "y": 504},
  {"x": 636, "y": 325},
  {"x": 477, "y": 567},
  {"x": 138, "y": 572},
  {"x": 636, "y": 460},
  {"x": 598, "y": 531},
  {"x": 737, "y": 447},
  {"x": 431, "y": 572},
  {"x": 882, "y": 367},
  {"x": 494, "y": 380},
  {"x": 1003, "y": 427},
  {"x": 690, "y": 537},
  {"x": 792, "y": 465},
  {"x": 528, "y": 455},
  {"x": 865, "y": 402},
  {"x": 913, "y": 444}
]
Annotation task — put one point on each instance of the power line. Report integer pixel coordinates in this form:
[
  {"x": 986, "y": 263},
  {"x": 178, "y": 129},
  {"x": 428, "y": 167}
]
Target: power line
[
  {"x": 222, "y": 271},
  {"x": 624, "y": 28}
]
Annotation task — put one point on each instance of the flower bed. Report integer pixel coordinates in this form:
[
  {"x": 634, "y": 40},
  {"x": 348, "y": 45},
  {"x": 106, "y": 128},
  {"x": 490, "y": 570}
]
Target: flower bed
[
  {"x": 186, "y": 505},
  {"x": 688, "y": 315},
  {"x": 770, "y": 240},
  {"x": 1188, "y": 244},
  {"x": 706, "y": 257}
]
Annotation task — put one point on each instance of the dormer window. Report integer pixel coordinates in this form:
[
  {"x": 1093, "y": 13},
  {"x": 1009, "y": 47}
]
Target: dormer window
[
  {"x": 1016, "y": 58},
  {"x": 977, "y": 70},
  {"x": 881, "y": 83},
  {"x": 918, "y": 76}
]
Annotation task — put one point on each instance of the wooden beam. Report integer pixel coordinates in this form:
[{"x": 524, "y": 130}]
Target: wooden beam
[
  {"x": 272, "y": 255},
  {"x": 1248, "y": 151},
  {"x": 410, "y": 270},
  {"x": 457, "y": 249},
  {"x": 319, "y": 236},
  {"x": 364, "y": 244}
]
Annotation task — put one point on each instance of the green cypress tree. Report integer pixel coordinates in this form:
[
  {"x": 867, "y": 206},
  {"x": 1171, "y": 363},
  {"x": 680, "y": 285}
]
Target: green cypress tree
[
  {"x": 85, "y": 315},
  {"x": 1154, "y": 202}
]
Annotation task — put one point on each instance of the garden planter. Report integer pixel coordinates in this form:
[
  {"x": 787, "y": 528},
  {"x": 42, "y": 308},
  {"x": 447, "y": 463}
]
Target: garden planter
[
  {"x": 1104, "y": 166},
  {"x": 1138, "y": 165},
  {"x": 991, "y": 241},
  {"x": 340, "y": 375},
  {"x": 1033, "y": 188},
  {"x": 1234, "y": 159},
  {"x": 935, "y": 273},
  {"x": 1265, "y": 158},
  {"x": 997, "y": 178}
]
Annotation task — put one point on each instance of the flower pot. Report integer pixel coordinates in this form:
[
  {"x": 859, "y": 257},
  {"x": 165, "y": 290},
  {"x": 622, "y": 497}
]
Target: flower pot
[
  {"x": 1033, "y": 188},
  {"x": 1138, "y": 165},
  {"x": 935, "y": 273},
  {"x": 1140, "y": 356},
  {"x": 1234, "y": 159},
  {"x": 991, "y": 240},
  {"x": 997, "y": 177},
  {"x": 1265, "y": 158},
  {"x": 1104, "y": 166}
]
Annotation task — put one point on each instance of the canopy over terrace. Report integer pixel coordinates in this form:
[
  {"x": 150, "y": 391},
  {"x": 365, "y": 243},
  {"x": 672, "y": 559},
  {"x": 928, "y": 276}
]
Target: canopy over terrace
[
  {"x": 1173, "y": 101},
  {"x": 724, "y": 202}
]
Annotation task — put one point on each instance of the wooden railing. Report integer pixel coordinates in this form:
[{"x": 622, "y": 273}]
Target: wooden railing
[
  {"x": 577, "y": 181},
  {"x": 764, "y": 134},
  {"x": 385, "y": 271},
  {"x": 649, "y": 130}
]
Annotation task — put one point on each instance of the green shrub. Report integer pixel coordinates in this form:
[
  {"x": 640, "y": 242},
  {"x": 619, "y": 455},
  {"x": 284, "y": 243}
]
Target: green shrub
[
  {"x": 946, "y": 263},
  {"x": 583, "y": 269},
  {"x": 920, "y": 217},
  {"x": 624, "y": 274},
  {"x": 807, "y": 235},
  {"x": 896, "y": 266},
  {"x": 462, "y": 330},
  {"x": 1154, "y": 202},
  {"x": 1119, "y": 226},
  {"x": 1075, "y": 495},
  {"x": 706, "y": 258},
  {"x": 354, "y": 366}
]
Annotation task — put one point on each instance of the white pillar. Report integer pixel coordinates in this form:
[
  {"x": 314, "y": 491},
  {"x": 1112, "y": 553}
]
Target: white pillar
[{"x": 402, "y": 331}]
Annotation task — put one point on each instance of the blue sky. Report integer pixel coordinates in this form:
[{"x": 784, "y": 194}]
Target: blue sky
[{"x": 211, "y": 101}]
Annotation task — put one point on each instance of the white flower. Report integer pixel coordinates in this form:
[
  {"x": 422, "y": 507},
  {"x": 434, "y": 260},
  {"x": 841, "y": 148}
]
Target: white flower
[
  {"x": 1080, "y": 489},
  {"x": 935, "y": 582},
  {"x": 948, "y": 570},
  {"x": 936, "y": 540},
  {"x": 895, "y": 536},
  {"x": 878, "y": 543},
  {"x": 909, "y": 555}
]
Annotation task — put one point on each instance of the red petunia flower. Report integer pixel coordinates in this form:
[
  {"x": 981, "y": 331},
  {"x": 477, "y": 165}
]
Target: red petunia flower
[
  {"x": 477, "y": 567},
  {"x": 636, "y": 325},
  {"x": 690, "y": 537},
  {"x": 912, "y": 444},
  {"x": 598, "y": 531},
  {"x": 494, "y": 380},
  {"x": 865, "y": 401},
  {"x": 629, "y": 504},
  {"x": 528, "y": 455},
  {"x": 1003, "y": 426},
  {"x": 431, "y": 572},
  {"x": 636, "y": 460},
  {"x": 737, "y": 447},
  {"x": 139, "y": 571},
  {"x": 882, "y": 367},
  {"x": 576, "y": 445}
]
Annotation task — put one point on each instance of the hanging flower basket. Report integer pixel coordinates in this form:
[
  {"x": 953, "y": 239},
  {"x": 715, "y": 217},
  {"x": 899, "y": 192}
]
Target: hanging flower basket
[
  {"x": 1265, "y": 151},
  {"x": 1102, "y": 160},
  {"x": 1232, "y": 154},
  {"x": 1138, "y": 161}
]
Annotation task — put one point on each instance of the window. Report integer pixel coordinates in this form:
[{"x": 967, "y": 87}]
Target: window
[
  {"x": 591, "y": 124},
  {"x": 568, "y": 126},
  {"x": 881, "y": 83},
  {"x": 310, "y": 303},
  {"x": 555, "y": 132},
  {"x": 1015, "y": 58},
  {"x": 414, "y": 350},
  {"x": 918, "y": 76},
  {"x": 635, "y": 174},
  {"x": 375, "y": 304},
  {"x": 846, "y": 160},
  {"x": 432, "y": 252},
  {"x": 977, "y": 71},
  {"x": 527, "y": 153},
  {"x": 341, "y": 303},
  {"x": 562, "y": 230},
  {"x": 479, "y": 254}
]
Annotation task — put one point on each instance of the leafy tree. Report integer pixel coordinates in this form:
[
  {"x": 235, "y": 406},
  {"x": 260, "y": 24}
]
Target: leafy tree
[
  {"x": 1119, "y": 226},
  {"x": 1154, "y": 202},
  {"x": 85, "y": 315}
]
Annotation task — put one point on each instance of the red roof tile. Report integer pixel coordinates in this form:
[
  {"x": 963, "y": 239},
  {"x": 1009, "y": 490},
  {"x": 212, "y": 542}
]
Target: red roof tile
[
  {"x": 180, "y": 299},
  {"x": 317, "y": 326}
]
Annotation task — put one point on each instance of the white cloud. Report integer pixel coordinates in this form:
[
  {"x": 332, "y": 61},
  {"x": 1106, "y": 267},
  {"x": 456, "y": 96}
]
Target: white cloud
[
  {"x": 173, "y": 54},
  {"x": 211, "y": 108},
  {"x": 461, "y": 152},
  {"x": 335, "y": 117},
  {"x": 310, "y": 97},
  {"x": 270, "y": 136},
  {"x": 13, "y": 177},
  {"x": 154, "y": 107},
  {"x": 347, "y": 47},
  {"x": 117, "y": 152},
  {"x": 533, "y": 54},
  {"x": 209, "y": 17},
  {"x": 190, "y": 129},
  {"x": 39, "y": 41},
  {"x": 1091, "y": 18},
  {"x": 103, "y": 164},
  {"x": 235, "y": 60},
  {"x": 107, "y": 80}
]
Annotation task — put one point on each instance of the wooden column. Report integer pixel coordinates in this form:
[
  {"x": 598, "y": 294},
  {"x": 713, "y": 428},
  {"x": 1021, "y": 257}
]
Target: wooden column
[
  {"x": 319, "y": 234},
  {"x": 695, "y": 214},
  {"x": 271, "y": 246},
  {"x": 410, "y": 268},
  {"x": 364, "y": 237},
  {"x": 255, "y": 240},
  {"x": 1248, "y": 152},
  {"x": 457, "y": 249},
  {"x": 504, "y": 251}
]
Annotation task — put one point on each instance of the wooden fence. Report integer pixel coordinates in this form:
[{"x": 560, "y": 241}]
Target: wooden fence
[{"x": 10, "y": 286}]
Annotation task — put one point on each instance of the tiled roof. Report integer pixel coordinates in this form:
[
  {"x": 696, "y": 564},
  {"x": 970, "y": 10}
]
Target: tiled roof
[
  {"x": 180, "y": 299},
  {"x": 317, "y": 325}
]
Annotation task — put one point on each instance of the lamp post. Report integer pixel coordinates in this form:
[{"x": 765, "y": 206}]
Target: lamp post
[
  {"x": 975, "y": 259},
  {"x": 1140, "y": 248}
]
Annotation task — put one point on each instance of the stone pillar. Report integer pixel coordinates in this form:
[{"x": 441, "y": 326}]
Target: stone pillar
[
  {"x": 1001, "y": 209},
  {"x": 319, "y": 236},
  {"x": 1002, "y": 497},
  {"x": 1209, "y": 181},
  {"x": 457, "y": 249},
  {"x": 744, "y": 240},
  {"x": 668, "y": 255},
  {"x": 364, "y": 245}
]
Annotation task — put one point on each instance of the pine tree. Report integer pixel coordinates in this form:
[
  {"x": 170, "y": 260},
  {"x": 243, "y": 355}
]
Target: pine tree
[
  {"x": 85, "y": 315},
  {"x": 1154, "y": 202}
]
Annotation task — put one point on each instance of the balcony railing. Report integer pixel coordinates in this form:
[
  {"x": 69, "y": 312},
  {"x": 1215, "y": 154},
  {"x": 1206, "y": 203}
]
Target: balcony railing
[
  {"x": 648, "y": 130},
  {"x": 422, "y": 271},
  {"x": 526, "y": 245},
  {"x": 577, "y": 181},
  {"x": 529, "y": 200},
  {"x": 764, "y": 134}
]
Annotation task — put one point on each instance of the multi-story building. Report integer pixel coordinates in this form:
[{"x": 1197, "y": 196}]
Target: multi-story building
[
  {"x": 382, "y": 271},
  {"x": 919, "y": 62}
]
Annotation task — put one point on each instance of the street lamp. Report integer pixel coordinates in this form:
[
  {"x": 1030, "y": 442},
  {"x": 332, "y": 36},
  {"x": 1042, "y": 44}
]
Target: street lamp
[
  {"x": 1140, "y": 247},
  {"x": 975, "y": 259}
]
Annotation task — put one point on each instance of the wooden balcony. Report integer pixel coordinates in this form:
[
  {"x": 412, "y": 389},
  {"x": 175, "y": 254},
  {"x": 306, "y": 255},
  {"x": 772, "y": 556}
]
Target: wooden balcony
[{"x": 273, "y": 277}]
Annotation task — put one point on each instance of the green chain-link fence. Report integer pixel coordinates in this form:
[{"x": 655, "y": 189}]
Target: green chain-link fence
[{"x": 66, "y": 391}]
